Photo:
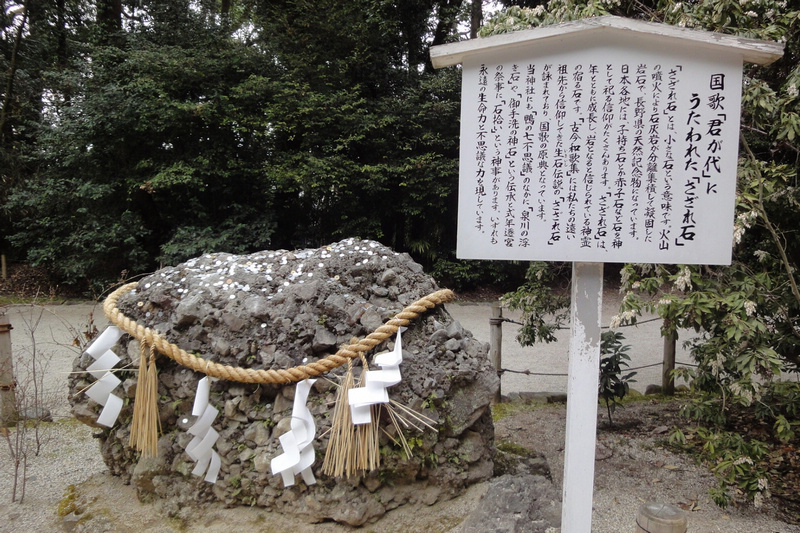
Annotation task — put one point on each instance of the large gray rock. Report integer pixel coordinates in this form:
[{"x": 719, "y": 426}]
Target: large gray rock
[
  {"x": 524, "y": 503},
  {"x": 274, "y": 309}
]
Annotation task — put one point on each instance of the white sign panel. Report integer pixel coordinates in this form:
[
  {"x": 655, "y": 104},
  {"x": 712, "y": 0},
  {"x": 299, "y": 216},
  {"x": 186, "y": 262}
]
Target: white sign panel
[{"x": 607, "y": 153}]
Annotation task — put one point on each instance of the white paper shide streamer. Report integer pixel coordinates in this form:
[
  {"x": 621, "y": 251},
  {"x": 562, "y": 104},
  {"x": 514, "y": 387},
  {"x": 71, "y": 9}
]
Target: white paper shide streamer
[
  {"x": 376, "y": 382},
  {"x": 200, "y": 448},
  {"x": 104, "y": 361},
  {"x": 298, "y": 451}
]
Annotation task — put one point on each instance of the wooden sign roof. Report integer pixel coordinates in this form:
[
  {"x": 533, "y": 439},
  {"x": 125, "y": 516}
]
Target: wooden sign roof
[{"x": 751, "y": 50}]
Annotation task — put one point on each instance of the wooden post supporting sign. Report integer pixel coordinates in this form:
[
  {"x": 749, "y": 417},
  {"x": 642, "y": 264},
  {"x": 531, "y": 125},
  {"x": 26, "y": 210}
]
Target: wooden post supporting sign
[{"x": 582, "y": 383}]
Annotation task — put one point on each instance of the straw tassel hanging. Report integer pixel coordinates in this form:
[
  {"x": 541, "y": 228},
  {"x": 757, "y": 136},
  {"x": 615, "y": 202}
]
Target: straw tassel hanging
[
  {"x": 146, "y": 423},
  {"x": 368, "y": 453},
  {"x": 354, "y": 444},
  {"x": 342, "y": 437}
]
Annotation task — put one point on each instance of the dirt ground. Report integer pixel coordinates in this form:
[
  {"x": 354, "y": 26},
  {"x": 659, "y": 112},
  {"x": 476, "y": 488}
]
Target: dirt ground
[
  {"x": 633, "y": 465},
  {"x": 631, "y": 468}
]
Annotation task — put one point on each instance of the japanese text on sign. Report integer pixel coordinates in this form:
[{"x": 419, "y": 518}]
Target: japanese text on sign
[{"x": 624, "y": 160}]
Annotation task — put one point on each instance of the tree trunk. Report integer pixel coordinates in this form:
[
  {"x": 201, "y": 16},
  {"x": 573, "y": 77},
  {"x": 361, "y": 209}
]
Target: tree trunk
[
  {"x": 475, "y": 18},
  {"x": 12, "y": 72},
  {"x": 448, "y": 18},
  {"x": 109, "y": 18},
  {"x": 62, "y": 53}
]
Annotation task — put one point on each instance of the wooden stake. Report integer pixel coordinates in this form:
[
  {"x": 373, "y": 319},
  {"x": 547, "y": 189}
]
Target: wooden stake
[
  {"x": 8, "y": 401},
  {"x": 496, "y": 344},
  {"x": 667, "y": 379}
]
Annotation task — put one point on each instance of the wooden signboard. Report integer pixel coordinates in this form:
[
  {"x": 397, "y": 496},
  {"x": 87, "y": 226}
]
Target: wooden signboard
[
  {"x": 596, "y": 141},
  {"x": 603, "y": 140}
]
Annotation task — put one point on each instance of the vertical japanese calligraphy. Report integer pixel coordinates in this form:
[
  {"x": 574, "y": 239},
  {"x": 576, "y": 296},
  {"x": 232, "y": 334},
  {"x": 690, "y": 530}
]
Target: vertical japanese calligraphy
[
  {"x": 481, "y": 148},
  {"x": 599, "y": 157}
]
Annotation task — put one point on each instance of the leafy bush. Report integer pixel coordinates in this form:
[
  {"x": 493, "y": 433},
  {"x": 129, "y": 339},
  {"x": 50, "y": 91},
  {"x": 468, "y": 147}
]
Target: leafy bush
[
  {"x": 230, "y": 237},
  {"x": 544, "y": 310},
  {"x": 737, "y": 463},
  {"x": 613, "y": 385}
]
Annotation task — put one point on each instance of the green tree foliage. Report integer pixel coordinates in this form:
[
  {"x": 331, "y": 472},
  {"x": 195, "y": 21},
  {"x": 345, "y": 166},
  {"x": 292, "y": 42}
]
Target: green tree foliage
[
  {"x": 26, "y": 51},
  {"x": 365, "y": 134},
  {"x": 149, "y": 147},
  {"x": 154, "y": 131},
  {"x": 747, "y": 315}
]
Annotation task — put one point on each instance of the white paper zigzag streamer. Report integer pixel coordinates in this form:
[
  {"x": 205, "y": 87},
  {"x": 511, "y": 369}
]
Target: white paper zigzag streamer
[
  {"x": 100, "y": 391},
  {"x": 200, "y": 448},
  {"x": 376, "y": 382},
  {"x": 298, "y": 452}
]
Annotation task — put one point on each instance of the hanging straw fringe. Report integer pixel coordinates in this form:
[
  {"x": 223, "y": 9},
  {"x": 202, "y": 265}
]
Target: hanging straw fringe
[
  {"x": 146, "y": 423},
  {"x": 352, "y": 449},
  {"x": 367, "y": 452},
  {"x": 248, "y": 375},
  {"x": 337, "y": 458}
]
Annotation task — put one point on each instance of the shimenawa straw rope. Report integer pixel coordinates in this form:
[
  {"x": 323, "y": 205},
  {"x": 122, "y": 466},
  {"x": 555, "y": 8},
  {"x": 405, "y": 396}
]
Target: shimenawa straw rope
[
  {"x": 249, "y": 375},
  {"x": 146, "y": 423}
]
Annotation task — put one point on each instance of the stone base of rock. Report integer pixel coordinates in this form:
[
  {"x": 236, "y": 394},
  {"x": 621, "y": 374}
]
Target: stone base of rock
[{"x": 523, "y": 503}]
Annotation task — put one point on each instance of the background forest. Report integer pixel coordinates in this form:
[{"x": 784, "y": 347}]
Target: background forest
[{"x": 139, "y": 133}]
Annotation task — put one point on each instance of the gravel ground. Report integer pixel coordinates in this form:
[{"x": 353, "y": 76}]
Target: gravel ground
[
  {"x": 630, "y": 469},
  {"x": 67, "y": 453}
]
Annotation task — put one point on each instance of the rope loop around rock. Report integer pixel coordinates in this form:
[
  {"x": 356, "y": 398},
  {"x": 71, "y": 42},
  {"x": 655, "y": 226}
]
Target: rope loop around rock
[{"x": 281, "y": 376}]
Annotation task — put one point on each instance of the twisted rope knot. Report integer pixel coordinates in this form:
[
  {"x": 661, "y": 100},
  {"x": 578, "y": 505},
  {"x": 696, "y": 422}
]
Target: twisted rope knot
[{"x": 281, "y": 376}]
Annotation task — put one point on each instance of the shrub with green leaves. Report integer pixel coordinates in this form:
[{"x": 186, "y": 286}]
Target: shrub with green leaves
[
  {"x": 613, "y": 384},
  {"x": 544, "y": 311}
]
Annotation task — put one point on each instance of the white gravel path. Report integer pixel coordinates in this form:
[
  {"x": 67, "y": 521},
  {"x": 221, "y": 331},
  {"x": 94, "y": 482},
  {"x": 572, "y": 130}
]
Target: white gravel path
[{"x": 68, "y": 453}]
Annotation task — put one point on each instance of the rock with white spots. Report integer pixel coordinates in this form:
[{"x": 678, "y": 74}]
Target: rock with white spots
[{"x": 275, "y": 309}]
